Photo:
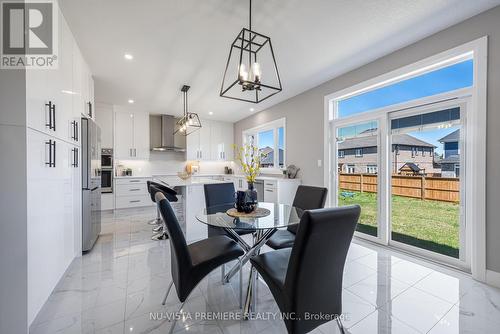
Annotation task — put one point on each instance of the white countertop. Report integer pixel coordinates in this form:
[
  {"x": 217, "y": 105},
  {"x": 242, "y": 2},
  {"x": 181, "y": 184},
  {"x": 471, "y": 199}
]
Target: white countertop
[
  {"x": 174, "y": 177},
  {"x": 175, "y": 181}
]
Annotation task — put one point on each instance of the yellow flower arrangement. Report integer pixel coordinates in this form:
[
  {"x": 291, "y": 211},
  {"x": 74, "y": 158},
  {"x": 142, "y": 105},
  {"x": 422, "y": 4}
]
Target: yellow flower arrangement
[{"x": 249, "y": 158}]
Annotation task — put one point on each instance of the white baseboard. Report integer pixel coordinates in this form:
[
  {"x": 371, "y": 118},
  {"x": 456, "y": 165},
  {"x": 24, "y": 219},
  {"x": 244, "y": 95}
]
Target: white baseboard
[{"x": 493, "y": 278}]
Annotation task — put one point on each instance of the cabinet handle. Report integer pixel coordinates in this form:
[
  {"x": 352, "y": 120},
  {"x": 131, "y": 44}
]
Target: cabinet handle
[
  {"x": 134, "y": 189},
  {"x": 49, "y": 142},
  {"x": 135, "y": 152},
  {"x": 134, "y": 181},
  {"x": 52, "y": 153},
  {"x": 73, "y": 164},
  {"x": 90, "y": 108},
  {"x": 136, "y": 201},
  {"x": 52, "y": 116},
  {"x": 269, "y": 190},
  {"x": 75, "y": 131}
]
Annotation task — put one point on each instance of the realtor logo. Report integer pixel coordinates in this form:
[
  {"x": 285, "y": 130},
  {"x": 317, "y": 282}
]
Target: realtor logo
[{"x": 29, "y": 34}]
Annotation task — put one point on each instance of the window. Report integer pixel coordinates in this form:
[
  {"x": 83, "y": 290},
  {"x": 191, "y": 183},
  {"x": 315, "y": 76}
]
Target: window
[
  {"x": 423, "y": 151},
  {"x": 269, "y": 138},
  {"x": 350, "y": 169},
  {"x": 341, "y": 154},
  {"x": 457, "y": 170},
  {"x": 371, "y": 169},
  {"x": 414, "y": 152},
  {"x": 445, "y": 79},
  {"x": 359, "y": 152}
]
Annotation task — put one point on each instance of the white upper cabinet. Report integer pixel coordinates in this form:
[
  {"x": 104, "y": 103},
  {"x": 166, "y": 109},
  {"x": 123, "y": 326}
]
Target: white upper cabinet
[
  {"x": 131, "y": 135},
  {"x": 213, "y": 142},
  {"x": 54, "y": 97},
  {"x": 104, "y": 118},
  {"x": 198, "y": 143}
]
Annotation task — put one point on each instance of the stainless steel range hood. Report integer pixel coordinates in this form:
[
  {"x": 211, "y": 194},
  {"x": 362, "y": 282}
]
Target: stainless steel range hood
[{"x": 161, "y": 134}]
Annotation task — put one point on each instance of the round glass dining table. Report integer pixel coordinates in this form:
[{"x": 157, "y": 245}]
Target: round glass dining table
[{"x": 263, "y": 228}]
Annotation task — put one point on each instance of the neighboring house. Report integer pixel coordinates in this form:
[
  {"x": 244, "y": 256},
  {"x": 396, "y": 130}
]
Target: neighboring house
[
  {"x": 450, "y": 164},
  {"x": 267, "y": 159},
  {"x": 359, "y": 155}
]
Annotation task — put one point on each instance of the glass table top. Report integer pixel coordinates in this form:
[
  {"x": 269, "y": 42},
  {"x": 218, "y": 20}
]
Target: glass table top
[{"x": 282, "y": 215}]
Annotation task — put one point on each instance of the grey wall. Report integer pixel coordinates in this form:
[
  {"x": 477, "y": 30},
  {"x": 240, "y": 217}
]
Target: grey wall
[
  {"x": 304, "y": 112},
  {"x": 13, "y": 208}
]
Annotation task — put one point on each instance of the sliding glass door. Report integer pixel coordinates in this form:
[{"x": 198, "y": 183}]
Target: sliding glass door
[
  {"x": 357, "y": 155},
  {"x": 427, "y": 159}
]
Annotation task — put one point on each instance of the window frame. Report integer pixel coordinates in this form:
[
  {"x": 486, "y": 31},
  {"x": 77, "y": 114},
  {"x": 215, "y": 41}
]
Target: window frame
[
  {"x": 274, "y": 126},
  {"x": 475, "y": 178},
  {"x": 360, "y": 154}
]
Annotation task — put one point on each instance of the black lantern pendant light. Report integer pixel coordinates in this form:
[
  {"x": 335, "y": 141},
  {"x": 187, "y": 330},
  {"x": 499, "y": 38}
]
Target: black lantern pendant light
[
  {"x": 252, "y": 58},
  {"x": 190, "y": 122}
]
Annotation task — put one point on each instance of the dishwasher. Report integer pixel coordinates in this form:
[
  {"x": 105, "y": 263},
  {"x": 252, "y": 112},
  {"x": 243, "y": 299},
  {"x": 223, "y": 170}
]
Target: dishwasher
[{"x": 259, "y": 187}]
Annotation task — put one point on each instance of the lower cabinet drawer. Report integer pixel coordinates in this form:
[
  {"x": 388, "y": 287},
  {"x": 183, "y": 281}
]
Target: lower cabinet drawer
[
  {"x": 270, "y": 195},
  {"x": 131, "y": 189},
  {"x": 123, "y": 202}
]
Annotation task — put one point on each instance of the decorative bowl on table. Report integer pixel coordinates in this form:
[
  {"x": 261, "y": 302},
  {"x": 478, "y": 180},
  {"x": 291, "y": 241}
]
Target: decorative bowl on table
[{"x": 184, "y": 175}]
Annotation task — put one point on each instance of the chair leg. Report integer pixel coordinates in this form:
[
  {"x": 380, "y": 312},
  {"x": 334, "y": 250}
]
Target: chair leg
[
  {"x": 157, "y": 220},
  {"x": 175, "y": 319},
  {"x": 223, "y": 273},
  {"x": 340, "y": 324},
  {"x": 241, "y": 283},
  {"x": 168, "y": 291}
]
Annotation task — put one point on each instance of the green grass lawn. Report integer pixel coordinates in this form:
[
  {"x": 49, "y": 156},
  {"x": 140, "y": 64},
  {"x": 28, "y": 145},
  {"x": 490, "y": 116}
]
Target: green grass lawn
[{"x": 431, "y": 225}]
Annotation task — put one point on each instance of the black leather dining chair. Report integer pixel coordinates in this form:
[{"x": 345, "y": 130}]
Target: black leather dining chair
[
  {"x": 307, "y": 278},
  {"x": 171, "y": 195},
  {"x": 191, "y": 263},
  {"x": 306, "y": 198},
  {"x": 220, "y": 197}
]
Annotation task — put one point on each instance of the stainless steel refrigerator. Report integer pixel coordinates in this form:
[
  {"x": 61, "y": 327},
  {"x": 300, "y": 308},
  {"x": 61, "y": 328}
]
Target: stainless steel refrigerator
[{"x": 91, "y": 183}]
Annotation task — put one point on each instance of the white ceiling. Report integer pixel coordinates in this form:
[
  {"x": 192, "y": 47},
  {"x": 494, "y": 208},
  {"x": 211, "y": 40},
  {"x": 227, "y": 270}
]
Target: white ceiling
[{"x": 176, "y": 42}]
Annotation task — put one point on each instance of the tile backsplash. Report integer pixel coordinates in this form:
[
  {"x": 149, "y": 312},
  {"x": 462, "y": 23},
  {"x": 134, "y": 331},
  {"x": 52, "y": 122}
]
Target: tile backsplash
[{"x": 169, "y": 163}]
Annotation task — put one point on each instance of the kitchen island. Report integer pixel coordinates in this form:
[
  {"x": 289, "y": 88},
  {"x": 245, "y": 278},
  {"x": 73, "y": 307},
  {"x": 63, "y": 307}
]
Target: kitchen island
[{"x": 191, "y": 196}]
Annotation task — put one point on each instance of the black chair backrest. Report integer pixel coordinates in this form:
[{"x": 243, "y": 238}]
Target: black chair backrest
[
  {"x": 181, "y": 259},
  {"x": 218, "y": 195},
  {"x": 169, "y": 193},
  {"x": 313, "y": 280},
  {"x": 308, "y": 198}
]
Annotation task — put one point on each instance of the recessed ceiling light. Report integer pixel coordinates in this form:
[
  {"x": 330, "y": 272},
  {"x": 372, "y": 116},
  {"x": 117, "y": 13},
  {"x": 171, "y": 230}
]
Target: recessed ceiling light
[
  {"x": 252, "y": 109},
  {"x": 210, "y": 113},
  {"x": 131, "y": 101},
  {"x": 128, "y": 56}
]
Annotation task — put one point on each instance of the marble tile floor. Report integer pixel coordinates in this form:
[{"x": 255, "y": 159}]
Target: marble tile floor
[{"x": 118, "y": 287}]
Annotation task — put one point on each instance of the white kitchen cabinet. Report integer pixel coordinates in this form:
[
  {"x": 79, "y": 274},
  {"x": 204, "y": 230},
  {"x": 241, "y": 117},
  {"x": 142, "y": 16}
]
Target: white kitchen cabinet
[
  {"x": 228, "y": 141},
  {"x": 49, "y": 93},
  {"x": 132, "y": 192},
  {"x": 198, "y": 143},
  {"x": 213, "y": 142},
  {"x": 131, "y": 135},
  {"x": 270, "y": 195},
  {"x": 141, "y": 136},
  {"x": 53, "y": 222},
  {"x": 54, "y": 107},
  {"x": 221, "y": 141},
  {"x": 104, "y": 118}
]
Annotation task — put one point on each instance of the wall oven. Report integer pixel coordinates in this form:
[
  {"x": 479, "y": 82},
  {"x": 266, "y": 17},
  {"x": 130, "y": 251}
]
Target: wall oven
[
  {"x": 107, "y": 170},
  {"x": 107, "y": 158},
  {"x": 107, "y": 180}
]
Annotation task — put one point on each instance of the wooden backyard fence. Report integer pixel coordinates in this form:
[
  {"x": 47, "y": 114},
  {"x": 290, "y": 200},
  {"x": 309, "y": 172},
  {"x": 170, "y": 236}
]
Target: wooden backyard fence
[{"x": 431, "y": 188}]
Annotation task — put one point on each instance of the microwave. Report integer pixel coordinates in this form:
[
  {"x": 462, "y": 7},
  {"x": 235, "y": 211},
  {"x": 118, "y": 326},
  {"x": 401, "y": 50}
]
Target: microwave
[{"x": 107, "y": 158}]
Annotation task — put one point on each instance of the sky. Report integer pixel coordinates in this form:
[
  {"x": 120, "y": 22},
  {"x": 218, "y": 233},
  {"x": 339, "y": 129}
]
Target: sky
[
  {"x": 267, "y": 138},
  {"x": 442, "y": 80},
  {"x": 449, "y": 78}
]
